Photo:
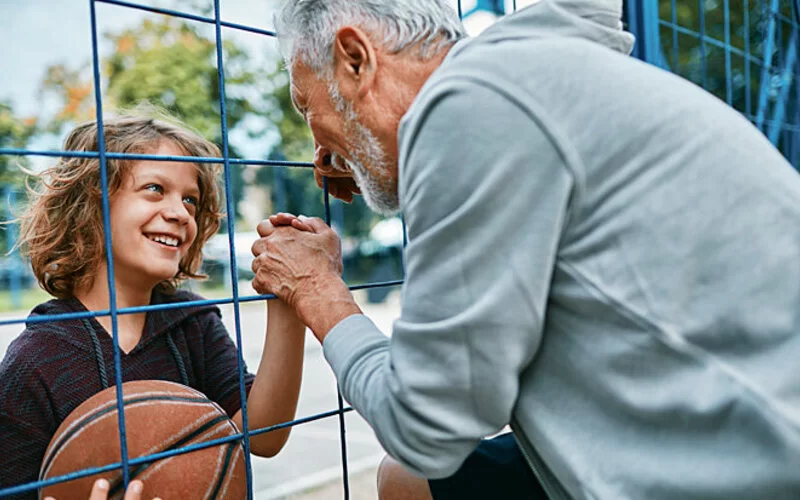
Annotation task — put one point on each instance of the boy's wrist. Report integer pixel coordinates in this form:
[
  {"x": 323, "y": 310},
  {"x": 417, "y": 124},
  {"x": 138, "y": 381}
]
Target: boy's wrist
[{"x": 278, "y": 306}]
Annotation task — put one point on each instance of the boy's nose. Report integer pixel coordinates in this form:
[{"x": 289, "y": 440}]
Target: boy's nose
[{"x": 177, "y": 212}]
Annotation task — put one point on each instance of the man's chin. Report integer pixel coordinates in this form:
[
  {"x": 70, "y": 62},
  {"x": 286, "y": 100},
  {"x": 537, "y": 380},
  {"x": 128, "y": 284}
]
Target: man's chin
[{"x": 383, "y": 206}]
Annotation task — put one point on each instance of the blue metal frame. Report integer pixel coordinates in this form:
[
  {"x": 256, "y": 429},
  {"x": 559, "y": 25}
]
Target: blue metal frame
[{"x": 775, "y": 37}]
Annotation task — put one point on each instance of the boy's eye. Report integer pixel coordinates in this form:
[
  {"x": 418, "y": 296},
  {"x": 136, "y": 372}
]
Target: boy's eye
[
  {"x": 191, "y": 200},
  {"x": 156, "y": 188}
]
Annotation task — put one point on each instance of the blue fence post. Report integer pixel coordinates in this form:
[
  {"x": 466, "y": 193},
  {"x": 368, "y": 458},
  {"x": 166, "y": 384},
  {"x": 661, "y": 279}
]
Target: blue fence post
[
  {"x": 787, "y": 76},
  {"x": 769, "y": 50},
  {"x": 643, "y": 23}
]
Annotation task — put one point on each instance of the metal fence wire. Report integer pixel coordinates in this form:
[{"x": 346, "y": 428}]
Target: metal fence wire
[{"x": 743, "y": 51}]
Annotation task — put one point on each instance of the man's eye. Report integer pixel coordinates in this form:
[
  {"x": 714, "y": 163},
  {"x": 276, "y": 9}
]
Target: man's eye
[{"x": 156, "y": 188}]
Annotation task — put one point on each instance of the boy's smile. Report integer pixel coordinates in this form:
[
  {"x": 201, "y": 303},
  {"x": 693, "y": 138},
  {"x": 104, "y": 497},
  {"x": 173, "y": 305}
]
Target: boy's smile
[{"x": 153, "y": 219}]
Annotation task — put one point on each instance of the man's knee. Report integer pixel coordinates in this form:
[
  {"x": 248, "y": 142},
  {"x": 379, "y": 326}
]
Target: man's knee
[{"x": 397, "y": 483}]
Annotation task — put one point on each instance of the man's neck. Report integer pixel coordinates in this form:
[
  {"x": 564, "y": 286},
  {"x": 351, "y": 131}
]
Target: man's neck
[{"x": 415, "y": 73}]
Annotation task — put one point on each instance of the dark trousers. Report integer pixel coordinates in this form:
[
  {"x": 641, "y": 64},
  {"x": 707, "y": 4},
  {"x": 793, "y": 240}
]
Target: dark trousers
[{"x": 495, "y": 470}]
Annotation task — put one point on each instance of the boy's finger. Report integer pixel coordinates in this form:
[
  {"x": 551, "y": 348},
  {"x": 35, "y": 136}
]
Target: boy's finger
[
  {"x": 134, "y": 491},
  {"x": 302, "y": 226},
  {"x": 265, "y": 227},
  {"x": 99, "y": 490},
  {"x": 282, "y": 219},
  {"x": 315, "y": 224}
]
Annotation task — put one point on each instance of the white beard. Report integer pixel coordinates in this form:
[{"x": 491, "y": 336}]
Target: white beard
[{"x": 376, "y": 187}]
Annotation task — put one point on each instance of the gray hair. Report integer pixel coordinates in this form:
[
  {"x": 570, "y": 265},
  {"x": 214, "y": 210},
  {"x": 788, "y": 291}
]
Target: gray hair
[{"x": 307, "y": 28}]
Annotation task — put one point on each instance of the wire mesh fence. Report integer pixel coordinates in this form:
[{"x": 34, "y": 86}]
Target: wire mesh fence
[{"x": 743, "y": 51}]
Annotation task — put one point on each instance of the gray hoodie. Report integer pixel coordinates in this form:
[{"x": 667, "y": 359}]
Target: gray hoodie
[{"x": 602, "y": 255}]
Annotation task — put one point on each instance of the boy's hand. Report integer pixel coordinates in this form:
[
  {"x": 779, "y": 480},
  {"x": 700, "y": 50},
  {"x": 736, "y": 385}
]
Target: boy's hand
[
  {"x": 267, "y": 227},
  {"x": 101, "y": 487}
]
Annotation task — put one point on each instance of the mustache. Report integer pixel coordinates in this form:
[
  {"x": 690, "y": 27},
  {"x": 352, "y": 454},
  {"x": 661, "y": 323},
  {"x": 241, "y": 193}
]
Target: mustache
[{"x": 341, "y": 164}]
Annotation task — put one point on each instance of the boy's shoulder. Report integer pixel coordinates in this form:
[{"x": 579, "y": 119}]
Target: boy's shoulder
[
  {"x": 50, "y": 322},
  {"x": 185, "y": 304},
  {"x": 38, "y": 355},
  {"x": 181, "y": 295}
]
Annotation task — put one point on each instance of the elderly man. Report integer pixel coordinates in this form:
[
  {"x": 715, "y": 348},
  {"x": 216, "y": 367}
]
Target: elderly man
[{"x": 601, "y": 255}]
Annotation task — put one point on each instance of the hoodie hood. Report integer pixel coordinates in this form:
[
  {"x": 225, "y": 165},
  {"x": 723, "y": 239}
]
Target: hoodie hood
[{"x": 599, "y": 21}]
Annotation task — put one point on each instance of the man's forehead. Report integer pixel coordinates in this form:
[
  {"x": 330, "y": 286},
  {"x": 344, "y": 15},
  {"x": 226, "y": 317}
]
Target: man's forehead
[
  {"x": 298, "y": 79},
  {"x": 303, "y": 83}
]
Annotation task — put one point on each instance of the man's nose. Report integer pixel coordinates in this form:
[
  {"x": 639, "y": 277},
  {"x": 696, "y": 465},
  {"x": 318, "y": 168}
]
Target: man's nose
[{"x": 322, "y": 158}]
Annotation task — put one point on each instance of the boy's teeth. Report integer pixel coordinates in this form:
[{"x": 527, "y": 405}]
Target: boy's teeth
[{"x": 166, "y": 240}]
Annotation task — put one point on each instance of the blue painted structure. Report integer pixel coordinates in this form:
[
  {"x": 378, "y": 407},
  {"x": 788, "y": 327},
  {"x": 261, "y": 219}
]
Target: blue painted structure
[{"x": 743, "y": 51}]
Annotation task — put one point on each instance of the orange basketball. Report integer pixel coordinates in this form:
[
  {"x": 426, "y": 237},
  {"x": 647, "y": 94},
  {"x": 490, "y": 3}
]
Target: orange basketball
[{"x": 159, "y": 416}]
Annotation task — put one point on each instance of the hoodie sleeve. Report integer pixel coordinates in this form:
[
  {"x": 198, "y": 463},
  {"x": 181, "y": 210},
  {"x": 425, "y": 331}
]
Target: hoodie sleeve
[{"x": 485, "y": 192}]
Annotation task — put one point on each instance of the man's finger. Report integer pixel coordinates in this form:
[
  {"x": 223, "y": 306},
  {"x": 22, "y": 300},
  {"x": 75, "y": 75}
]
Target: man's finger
[{"x": 259, "y": 246}]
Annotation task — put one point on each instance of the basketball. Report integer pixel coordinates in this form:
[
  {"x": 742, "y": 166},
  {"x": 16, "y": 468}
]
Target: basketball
[{"x": 159, "y": 416}]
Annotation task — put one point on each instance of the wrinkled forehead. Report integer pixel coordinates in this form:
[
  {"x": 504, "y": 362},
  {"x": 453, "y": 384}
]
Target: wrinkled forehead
[{"x": 302, "y": 81}]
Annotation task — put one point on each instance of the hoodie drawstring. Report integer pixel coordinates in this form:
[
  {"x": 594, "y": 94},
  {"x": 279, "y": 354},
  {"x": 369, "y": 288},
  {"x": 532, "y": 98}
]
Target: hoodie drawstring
[
  {"x": 178, "y": 359},
  {"x": 98, "y": 354},
  {"x": 101, "y": 364}
]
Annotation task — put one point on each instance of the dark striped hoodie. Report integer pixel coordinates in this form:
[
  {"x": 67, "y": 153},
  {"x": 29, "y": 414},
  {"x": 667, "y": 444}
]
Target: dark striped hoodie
[{"x": 52, "y": 367}]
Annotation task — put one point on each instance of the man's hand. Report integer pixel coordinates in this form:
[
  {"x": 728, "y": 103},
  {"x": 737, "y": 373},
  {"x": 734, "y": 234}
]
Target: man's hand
[
  {"x": 299, "y": 259},
  {"x": 101, "y": 487},
  {"x": 341, "y": 184},
  {"x": 291, "y": 261}
]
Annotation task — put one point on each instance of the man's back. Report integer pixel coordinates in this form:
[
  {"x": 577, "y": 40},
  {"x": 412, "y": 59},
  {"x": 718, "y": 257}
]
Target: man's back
[{"x": 667, "y": 366}]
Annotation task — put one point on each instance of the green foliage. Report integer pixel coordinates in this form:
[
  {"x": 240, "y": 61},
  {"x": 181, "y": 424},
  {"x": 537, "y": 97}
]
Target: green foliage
[
  {"x": 169, "y": 63},
  {"x": 166, "y": 63},
  {"x": 705, "y": 63},
  {"x": 15, "y": 133}
]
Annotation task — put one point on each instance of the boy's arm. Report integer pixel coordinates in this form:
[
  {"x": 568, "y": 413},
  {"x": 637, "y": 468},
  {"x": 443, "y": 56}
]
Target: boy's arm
[{"x": 273, "y": 395}]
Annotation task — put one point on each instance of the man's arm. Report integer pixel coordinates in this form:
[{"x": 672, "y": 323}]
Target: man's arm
[{"x": 486, "y": 194}]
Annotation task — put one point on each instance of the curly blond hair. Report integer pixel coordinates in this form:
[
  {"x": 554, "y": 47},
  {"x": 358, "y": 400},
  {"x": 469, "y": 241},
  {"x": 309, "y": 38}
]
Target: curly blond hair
[{"x": 61, "y": 229}]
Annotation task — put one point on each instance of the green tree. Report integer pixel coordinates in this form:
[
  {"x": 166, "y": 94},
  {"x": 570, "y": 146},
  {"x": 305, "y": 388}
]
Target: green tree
[
  {"x": 171, "y": 64},
  {"x": 167, "y": 63},
  {"x": 15, "y": 133}
]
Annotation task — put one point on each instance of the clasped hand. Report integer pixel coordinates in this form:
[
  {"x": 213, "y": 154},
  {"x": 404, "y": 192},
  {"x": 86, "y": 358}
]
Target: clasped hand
[{"x": 295, "y": 257}]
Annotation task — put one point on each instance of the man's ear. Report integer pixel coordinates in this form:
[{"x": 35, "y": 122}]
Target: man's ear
[{"x": 354, "y": 62}]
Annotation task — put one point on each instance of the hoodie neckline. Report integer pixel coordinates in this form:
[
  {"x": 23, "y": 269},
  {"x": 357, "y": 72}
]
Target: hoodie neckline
[{"x": 157, "y": 323}]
